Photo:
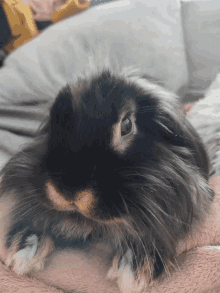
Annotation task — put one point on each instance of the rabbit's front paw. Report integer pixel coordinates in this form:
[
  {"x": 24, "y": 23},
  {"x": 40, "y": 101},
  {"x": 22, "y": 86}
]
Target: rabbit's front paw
[
  {"x": 126, "y": 280},
  {"x": 31, "y": 257},
  {"x": 18, "y": 260}
]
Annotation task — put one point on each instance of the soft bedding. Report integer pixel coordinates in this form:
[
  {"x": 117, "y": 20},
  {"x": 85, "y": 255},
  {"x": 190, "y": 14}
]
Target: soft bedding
[{"x": 157, "y": 38}]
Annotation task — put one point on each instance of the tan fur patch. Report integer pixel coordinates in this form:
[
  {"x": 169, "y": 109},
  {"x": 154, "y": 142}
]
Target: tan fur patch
[
  {"x": 113, "y": 271},
  {"x": 84, "y": 201},
  {"x": 58, "y": 199}
]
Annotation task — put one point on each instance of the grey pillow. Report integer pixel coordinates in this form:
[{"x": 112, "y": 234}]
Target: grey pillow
[{"x": 140, "y": 33}]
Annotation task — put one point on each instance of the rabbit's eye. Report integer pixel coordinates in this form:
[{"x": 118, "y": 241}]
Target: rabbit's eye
[{"x": 126, "y": 126}]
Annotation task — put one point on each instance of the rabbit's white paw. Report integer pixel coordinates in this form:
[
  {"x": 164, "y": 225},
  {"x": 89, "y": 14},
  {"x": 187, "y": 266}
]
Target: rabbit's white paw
[
  {"x": 126, "y": 280},
  {"x": 31, "y": 257}
]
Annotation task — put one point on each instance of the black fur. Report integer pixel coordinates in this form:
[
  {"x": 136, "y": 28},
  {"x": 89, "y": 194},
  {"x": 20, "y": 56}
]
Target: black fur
[{"x": 158, "y": 185}]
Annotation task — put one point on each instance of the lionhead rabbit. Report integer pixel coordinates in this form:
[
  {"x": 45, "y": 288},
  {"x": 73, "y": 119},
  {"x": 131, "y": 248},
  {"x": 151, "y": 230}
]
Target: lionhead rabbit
[{"x": 117, "y": 161}]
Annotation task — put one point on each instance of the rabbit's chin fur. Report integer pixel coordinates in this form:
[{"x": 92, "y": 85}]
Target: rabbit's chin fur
[{"x": 116, "y": 161}]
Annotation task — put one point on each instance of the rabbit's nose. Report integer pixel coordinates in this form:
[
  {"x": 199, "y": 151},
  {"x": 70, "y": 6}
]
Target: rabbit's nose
[{"x": 84, "y": 200}]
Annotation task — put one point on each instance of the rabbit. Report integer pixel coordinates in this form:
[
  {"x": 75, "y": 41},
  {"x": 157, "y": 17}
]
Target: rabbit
[{"x": 118, "y": 162}]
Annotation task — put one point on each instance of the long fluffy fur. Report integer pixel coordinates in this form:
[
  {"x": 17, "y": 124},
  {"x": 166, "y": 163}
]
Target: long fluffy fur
[{"x": 149, "y": 191}]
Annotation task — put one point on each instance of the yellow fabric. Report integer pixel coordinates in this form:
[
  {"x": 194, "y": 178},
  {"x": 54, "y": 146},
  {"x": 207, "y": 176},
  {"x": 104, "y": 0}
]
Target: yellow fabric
[
  {"x": 69, "y": 8},
  {"x": 22, "y": 23}
]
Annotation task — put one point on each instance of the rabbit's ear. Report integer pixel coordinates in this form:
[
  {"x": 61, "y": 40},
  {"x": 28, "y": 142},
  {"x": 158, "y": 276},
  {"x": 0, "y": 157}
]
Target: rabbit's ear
[
  {"x": 61, "y": 128},
  {"x": 61, "y": 114}
]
